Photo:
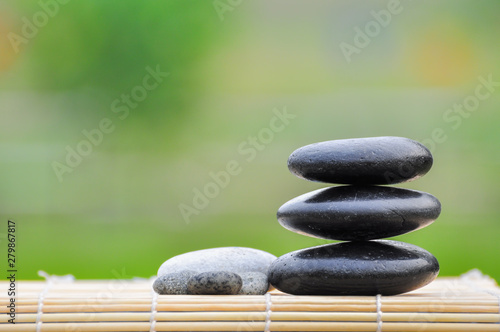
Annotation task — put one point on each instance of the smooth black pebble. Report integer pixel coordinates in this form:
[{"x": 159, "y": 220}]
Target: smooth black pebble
[
  {"x": 354, "y": 268},
  {"x": 372, "y": 160},
  {"x": 359, "y": 212}
]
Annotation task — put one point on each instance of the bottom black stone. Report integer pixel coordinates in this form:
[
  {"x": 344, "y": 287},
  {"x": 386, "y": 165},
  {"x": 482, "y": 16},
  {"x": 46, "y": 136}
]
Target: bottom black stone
[{"x": 354, "y": 268}]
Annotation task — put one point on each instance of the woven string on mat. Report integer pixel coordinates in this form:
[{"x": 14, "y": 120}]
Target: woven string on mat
[
  {"x": 50, "y": 280},
  {"x": 378, "y": 300},
  {"x": 268, "y": 312},
  {"x": 469, "y": 279},
  {"x": 154, "y": 302}
]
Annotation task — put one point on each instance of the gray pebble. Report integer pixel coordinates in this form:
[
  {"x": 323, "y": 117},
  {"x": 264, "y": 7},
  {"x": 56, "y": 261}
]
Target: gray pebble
[
  {"x": 254, "y": 283},
  {"x": 234, "y": 259},
  {"x": 173, "y": 283},
  {"x": 214, "y": 283}
]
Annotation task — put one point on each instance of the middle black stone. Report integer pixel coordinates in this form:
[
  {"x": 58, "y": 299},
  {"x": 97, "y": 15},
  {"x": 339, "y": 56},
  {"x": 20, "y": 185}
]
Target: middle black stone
[{"x": 352, "y": 213}]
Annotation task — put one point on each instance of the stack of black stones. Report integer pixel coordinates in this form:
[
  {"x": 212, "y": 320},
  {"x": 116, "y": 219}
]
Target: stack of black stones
[{"x": 359, "y": 214}]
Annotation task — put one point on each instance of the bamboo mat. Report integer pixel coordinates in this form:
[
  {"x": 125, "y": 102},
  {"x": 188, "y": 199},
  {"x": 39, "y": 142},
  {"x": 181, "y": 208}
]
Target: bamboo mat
[{"x": 467, "y": 303}]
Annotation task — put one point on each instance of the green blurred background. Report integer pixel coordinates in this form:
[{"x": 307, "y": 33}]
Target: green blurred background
[{"x": 63, "y": 65}]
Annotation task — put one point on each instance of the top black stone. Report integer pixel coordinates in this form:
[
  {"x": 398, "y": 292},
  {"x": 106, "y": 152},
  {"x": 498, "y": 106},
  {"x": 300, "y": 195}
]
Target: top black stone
[{"x": 372, "y": 160}]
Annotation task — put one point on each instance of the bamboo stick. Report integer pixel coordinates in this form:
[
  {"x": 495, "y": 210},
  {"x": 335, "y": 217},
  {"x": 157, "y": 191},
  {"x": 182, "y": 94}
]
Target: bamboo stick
[
  {"x": 249, "y": 307},
  {"x": 253, "y": 326},
  {"x": 257, "y": 316},
  {"x": 318, "y": 300}
]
